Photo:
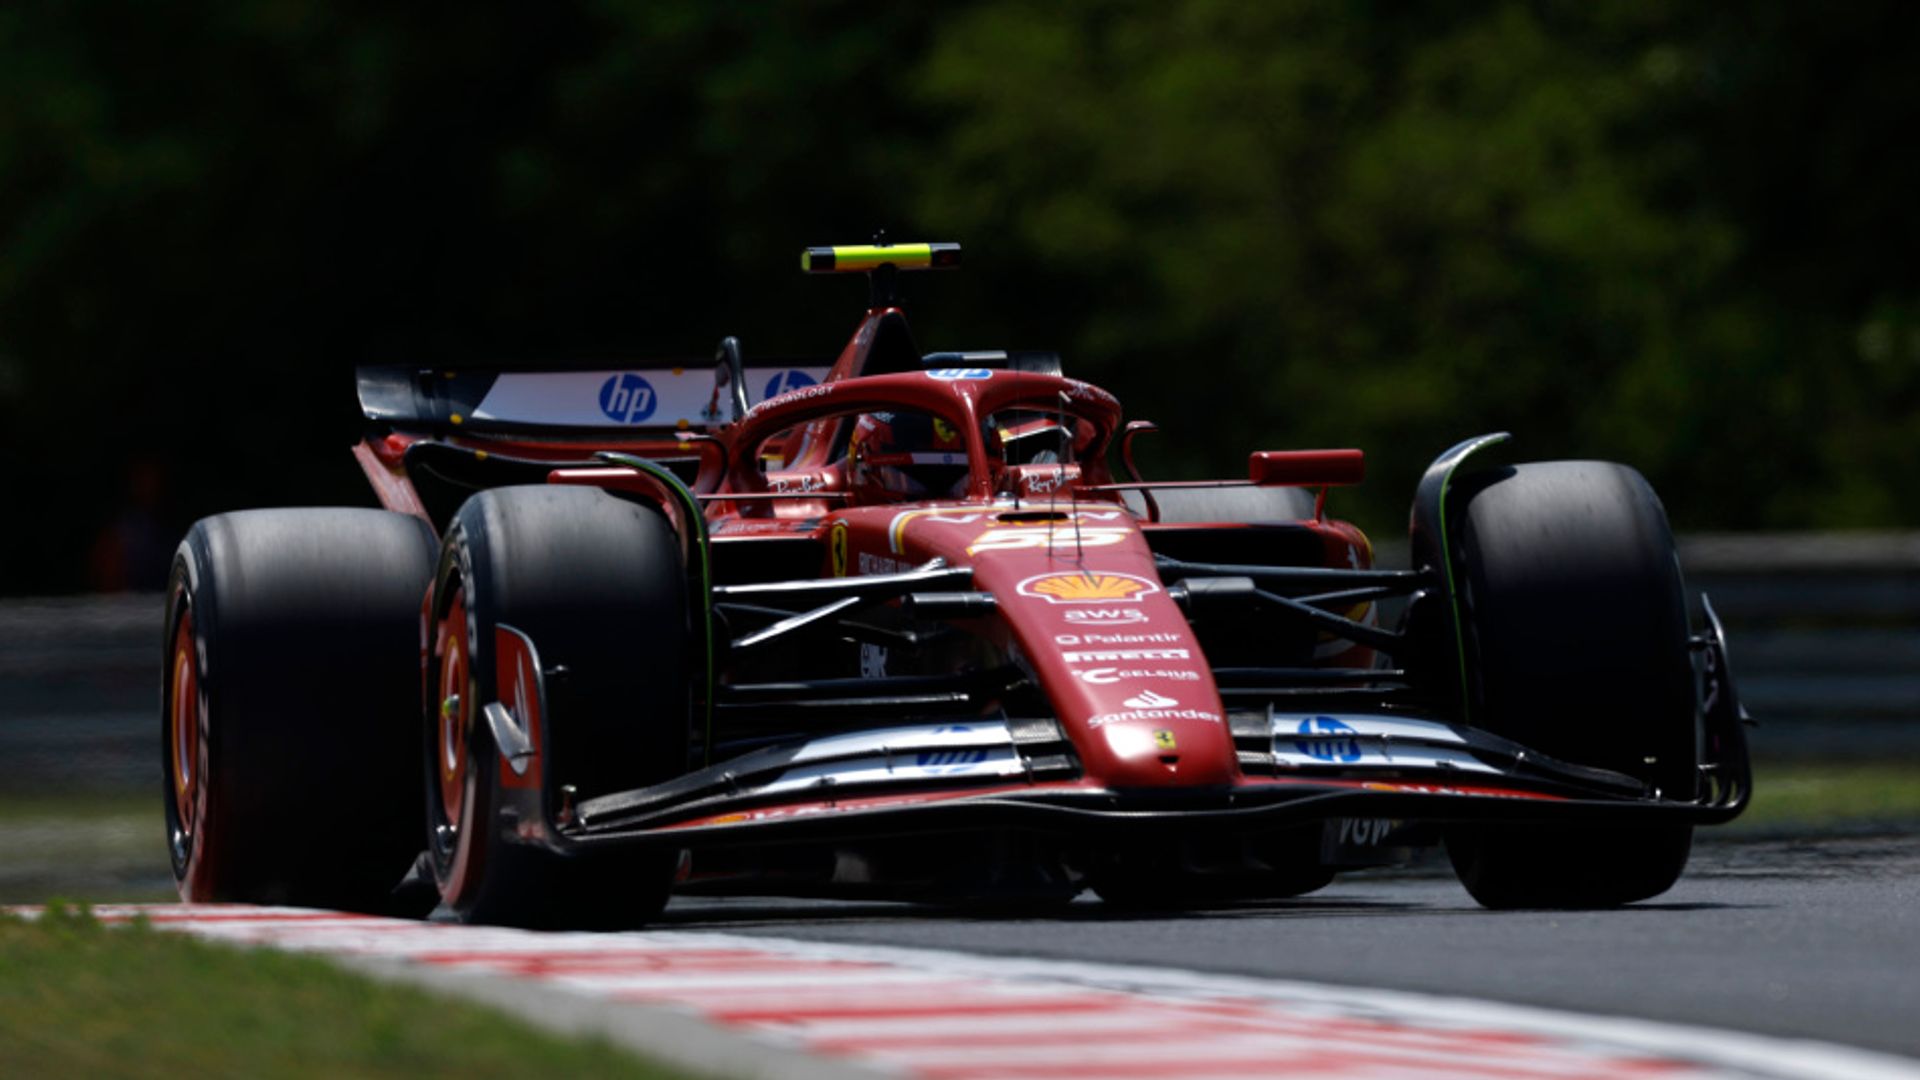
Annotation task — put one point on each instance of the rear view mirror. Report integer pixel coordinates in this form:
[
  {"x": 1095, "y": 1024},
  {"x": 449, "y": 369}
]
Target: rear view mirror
[{"x": 1306, "y": 468}]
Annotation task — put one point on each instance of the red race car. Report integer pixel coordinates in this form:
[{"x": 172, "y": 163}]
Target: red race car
[{"x": 893, "y": 627}]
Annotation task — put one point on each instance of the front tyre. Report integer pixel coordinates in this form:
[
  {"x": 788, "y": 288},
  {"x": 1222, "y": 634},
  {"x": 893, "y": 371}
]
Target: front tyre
[
  {"x": 1575, "y": 621},
  {"x": 597, "y": 584},
  {"x": 291, "y": 660}
]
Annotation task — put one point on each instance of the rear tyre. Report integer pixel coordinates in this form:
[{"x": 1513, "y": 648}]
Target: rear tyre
[
  {"x": 1575, "y": 621},
  {"x": 287, "y": 732},
  {"x": 597, "y": 584}
]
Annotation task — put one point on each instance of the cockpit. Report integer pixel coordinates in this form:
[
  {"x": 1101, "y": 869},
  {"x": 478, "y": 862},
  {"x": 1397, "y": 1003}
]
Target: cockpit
[{"x": 928, "y": 435}]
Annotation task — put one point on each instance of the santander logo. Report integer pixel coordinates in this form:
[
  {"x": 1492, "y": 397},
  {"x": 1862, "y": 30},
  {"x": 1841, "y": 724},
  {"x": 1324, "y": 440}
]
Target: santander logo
[{"x": 1150, "y": 700}]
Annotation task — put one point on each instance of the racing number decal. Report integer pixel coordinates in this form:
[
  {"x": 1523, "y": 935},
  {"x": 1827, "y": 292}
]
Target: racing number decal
[
  {"x": 1063, "y": 536},
  {"x": 837, "y": 548}
]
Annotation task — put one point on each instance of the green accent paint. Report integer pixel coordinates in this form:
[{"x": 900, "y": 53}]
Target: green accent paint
[
  {"x": 865, "y": 258},
  {"x": 698, "y": 553},
  {"x": 1446, "y": 567}
]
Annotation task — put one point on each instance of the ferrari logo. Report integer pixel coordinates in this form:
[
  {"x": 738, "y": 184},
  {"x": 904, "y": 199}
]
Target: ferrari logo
[
  {"x": 837, "y": 548},
  {"x": 1163, "y": 739}
]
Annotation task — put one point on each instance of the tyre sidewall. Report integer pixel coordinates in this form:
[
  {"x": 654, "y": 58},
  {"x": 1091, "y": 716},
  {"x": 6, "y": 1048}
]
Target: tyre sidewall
[
  {"x": 192, "y": 852},
  {"x": 301, "y": 624},
  {"x": 516, "y": 558}
]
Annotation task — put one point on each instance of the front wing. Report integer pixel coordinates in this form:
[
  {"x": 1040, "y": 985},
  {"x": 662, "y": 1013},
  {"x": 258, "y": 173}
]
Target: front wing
[
  {"x": 993, "y": 773},
  {"x": 999, "y": 775}
]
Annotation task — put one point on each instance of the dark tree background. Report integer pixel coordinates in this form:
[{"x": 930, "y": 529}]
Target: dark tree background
[{"x": 1676, "y": 234}]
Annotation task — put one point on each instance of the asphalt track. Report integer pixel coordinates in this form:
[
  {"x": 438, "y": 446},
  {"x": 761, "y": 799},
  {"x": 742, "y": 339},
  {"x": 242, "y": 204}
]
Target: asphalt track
[{"x": 1798, "y": 938}]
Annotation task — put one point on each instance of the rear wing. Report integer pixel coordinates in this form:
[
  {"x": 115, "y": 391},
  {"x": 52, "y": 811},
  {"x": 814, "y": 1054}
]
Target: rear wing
[{"x": 662, "y": 397}]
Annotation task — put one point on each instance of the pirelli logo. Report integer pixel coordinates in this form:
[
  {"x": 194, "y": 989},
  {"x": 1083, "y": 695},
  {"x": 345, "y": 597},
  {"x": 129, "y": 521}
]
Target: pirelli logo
[{"x": 1125, "y": 654}]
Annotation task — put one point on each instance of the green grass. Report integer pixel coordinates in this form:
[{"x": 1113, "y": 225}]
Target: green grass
[
  {"x": 1828, "y": 795},
  {"x": 105, "y": 847},
  {"x": 78, "y": 998}
]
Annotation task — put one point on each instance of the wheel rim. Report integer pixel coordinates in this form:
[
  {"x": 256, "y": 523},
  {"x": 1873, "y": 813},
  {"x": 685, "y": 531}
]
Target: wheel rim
[
  {"x": 183, "y": 726},
  {"x": 452, "y": 709}
]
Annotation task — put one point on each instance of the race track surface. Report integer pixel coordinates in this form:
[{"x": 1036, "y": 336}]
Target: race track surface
[{"x": 1816, "y": 939}]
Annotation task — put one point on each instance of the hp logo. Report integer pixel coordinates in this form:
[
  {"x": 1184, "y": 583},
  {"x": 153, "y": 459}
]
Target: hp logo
[
  {"x": 957, "y": 760},
  {"x": 627, "y": 398},
  {"x": 1325, "y": 739},
  {"x": 784, "y": 381}
]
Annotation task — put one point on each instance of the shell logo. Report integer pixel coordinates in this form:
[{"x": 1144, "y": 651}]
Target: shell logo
[{"x": 1088, "y": 588}]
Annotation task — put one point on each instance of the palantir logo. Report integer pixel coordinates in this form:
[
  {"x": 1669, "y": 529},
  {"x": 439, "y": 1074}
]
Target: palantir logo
[
  {"x": 784, "y": 381},
  {"x": 627, "y": 398},
  {"x": 1325, "y": 739}
]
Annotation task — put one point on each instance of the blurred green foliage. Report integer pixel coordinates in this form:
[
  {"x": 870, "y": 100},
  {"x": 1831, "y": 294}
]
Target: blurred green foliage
[{"x": 1674, "y": 234}]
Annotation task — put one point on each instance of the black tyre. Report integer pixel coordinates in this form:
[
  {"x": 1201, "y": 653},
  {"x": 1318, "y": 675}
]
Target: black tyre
[
  {"x": 597, "y": 584},
  {"x": 1576, "y": 628},
  {"x": 1242, "y": 505},
  {"x": 287, "y": 716}
]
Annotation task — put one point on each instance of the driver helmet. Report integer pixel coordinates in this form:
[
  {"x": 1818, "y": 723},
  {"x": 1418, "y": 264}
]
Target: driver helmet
[{"x": 906, "y": 455}]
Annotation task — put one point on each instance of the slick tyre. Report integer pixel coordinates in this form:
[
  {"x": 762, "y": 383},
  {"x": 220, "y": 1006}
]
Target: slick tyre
[
  {"x": 1575, "y": 626},
  {"x": 596, "y": 583},
  {"x": 287, "y": 732}
]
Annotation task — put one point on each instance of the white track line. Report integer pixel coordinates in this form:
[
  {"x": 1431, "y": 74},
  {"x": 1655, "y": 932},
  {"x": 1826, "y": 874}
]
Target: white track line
[{"x": 820, "y": 1009}]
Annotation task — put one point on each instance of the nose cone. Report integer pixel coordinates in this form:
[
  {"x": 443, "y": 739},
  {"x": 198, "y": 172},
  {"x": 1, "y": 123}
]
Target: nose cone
[
  {"x": 1121, "y": 668},
  {"x": 1086, "y": 608},
  {"x": 1141, "y": 703}
]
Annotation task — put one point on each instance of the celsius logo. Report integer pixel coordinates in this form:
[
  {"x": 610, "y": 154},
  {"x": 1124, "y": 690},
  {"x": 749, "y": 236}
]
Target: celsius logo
[
  {"x": 627, "y": 398},
  {"x": 1325, "y": 739},
  {"x": 956, "y": 760},
  {"x": 1103, "y": 676},
  {"x": 1150, "y": 700},
  {"x": 784, "y": 381}
]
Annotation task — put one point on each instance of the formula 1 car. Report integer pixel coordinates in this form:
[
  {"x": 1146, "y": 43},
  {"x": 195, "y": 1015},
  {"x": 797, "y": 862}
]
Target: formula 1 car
[{"x": 892, "y": 627}]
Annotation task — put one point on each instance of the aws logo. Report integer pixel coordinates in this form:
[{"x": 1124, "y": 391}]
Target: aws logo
[{"x": 1104, "y": 616}]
